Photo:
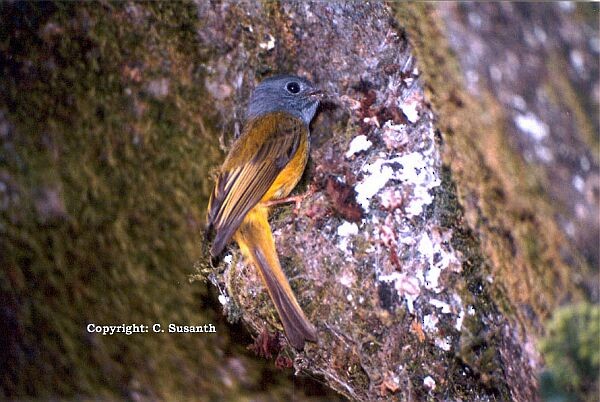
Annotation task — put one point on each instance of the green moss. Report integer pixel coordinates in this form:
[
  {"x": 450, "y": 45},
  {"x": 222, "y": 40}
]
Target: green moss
[
  {"x": 494, "y": 204},
  {"x": 571, "y": 350},
  {"x": 129, "y": 163},
  {"x": 479, "y": 347},
  {"x": 503, "y": 198}
]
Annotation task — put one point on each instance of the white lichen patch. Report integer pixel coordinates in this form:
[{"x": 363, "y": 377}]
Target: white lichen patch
[
  {"x": 406, "y": 285},
  {"x": 530, "y": 124},
  {"x": 430, "y": 322},
  {"x": 358, "y": 144},
  {"x": 414, "y": 169},
  {"x": 410, "y": 108},
  {"x": 440, "y": 304},
  {"x": 414, "y": 174},
  {"x": 429, "y": 383},
  {"x": 434, "y": 256},
  {"x": 458, "y": 306},
  {"x": 419, "y": 172},
  {"x": 347, "y": 228},
  {"x": 443, "y": 343},
  {"x": 374, "y": 121},
  {"x": 400, "y": 175},
  {"x": 438, "y": 257},
  {"x": 268, "y": 44},
  {"x": 344, "y": 231},
  {"x": 378, "y": 176},
  {"x": 584, "y": 163},
  {"x": 224, "y": 300}
]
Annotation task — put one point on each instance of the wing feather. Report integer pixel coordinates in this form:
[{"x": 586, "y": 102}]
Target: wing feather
[{"x": 239, "y": 188}]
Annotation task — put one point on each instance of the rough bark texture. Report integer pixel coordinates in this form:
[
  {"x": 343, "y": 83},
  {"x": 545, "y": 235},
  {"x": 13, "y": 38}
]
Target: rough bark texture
[
  {"x": 416, "y": 298},
  {"x": 541, "y": 65},
  {"x": 438, "y": 239}
]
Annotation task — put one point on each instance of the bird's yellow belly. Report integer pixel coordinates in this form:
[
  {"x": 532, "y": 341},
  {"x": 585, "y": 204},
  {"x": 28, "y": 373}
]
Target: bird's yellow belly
[{"x": 291, "y": 173}]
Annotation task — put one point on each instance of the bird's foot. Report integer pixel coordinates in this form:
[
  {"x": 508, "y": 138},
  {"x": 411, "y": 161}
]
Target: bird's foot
[{"x": 296, "y": 199}]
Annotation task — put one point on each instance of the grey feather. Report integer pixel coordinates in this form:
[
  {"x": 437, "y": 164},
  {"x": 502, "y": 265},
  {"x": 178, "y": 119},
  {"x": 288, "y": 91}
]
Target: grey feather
[{"x": 272, "y": 95}]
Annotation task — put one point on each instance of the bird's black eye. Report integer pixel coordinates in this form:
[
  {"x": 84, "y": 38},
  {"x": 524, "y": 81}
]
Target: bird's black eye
[{"x": 293, "y": 87}]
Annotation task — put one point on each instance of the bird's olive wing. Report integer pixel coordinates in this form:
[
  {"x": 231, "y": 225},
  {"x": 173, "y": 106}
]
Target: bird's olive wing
[{"x": 239, "y": 188}]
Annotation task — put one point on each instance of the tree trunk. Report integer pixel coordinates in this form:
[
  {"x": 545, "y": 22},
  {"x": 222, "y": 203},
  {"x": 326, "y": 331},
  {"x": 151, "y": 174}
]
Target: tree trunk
[
  {"x": 452, "y": 205},
  {"x": 428, "y": 256}
]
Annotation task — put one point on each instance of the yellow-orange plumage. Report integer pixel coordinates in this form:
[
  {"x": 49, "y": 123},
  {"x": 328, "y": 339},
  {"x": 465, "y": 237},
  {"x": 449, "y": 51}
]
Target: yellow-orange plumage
[{"x": 264, "y": 164}]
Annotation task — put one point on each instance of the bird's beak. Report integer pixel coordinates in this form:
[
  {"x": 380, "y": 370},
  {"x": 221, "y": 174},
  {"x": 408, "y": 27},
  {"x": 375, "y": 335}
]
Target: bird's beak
[{"x": 316, "y": 94}]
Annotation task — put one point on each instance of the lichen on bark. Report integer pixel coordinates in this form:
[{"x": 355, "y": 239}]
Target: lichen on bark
[
  {"x": 433, "y": 288},
  {"x": 428, "y": 256}
]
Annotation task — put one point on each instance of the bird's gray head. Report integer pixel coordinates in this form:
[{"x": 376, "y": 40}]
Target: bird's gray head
[{"x": 285, "y": 93}]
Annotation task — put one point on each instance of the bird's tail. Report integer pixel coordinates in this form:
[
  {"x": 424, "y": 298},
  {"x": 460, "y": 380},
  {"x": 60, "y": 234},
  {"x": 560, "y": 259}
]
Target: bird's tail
[{"x": 256, "y": 243}]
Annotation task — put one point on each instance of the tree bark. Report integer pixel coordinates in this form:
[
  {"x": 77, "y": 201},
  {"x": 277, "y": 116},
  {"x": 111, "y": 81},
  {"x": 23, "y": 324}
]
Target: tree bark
[
  {"x": 421, "y": 256},
  {"x": 436, "y": 238}
]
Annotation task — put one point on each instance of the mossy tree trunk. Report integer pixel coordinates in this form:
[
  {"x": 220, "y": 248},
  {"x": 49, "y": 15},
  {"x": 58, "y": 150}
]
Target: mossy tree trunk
[{"x": 429, "y": 255}]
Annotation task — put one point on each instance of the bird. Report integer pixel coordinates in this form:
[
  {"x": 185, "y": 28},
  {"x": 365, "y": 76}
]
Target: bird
[{"x": 262, "y": 167}]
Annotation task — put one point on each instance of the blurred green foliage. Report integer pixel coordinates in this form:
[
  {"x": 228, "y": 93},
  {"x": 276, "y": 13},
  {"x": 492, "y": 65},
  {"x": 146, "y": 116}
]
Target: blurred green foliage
[{"x": 571, "y": 350}]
